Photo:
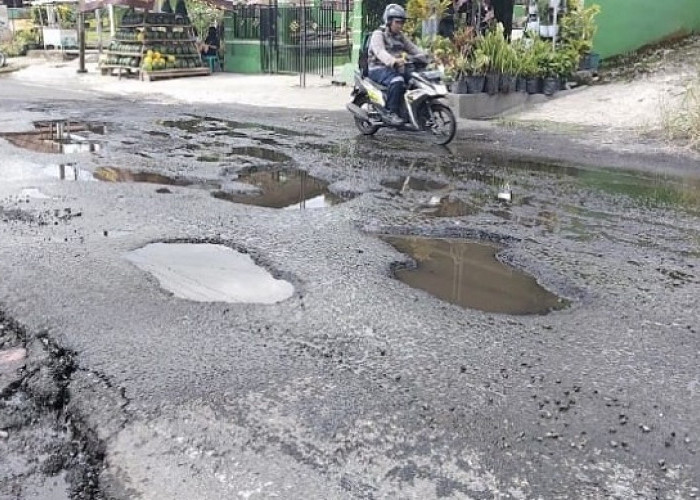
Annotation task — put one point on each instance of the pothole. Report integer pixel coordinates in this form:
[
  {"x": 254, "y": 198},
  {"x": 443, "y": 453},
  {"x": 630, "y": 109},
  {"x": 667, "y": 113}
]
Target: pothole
[
  {"x": 58, "y": 136},
  {"x": 114, "y": 174},
  {"x": 414, "y": 184},
  {"x": 469, "y": 275},
  {"x": 286, "y": 189},
  {"x": 261, "y": 153},
  {"x": 205, "y": 272},
  {"x": 201, "y": 124},
  {"x": 449, "y": 207}
]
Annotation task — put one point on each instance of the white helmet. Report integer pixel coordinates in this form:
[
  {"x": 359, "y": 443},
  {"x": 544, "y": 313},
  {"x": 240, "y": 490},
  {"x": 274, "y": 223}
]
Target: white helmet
[{"x": 393, "y": 11}]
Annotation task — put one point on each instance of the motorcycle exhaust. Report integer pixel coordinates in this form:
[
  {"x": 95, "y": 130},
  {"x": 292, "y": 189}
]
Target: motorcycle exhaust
[{"x": 358, "y": 112}]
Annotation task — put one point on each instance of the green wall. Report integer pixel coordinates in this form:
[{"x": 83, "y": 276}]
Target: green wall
[
  {"x": 243, "y": 56},
  {"x": 626, "y": 25}
]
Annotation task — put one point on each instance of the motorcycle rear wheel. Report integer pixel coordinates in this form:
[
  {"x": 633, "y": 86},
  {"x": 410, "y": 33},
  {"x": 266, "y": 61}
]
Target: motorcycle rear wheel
[
  {"x": 365, "y": 127},
  {"x": 441, "y": 124}
]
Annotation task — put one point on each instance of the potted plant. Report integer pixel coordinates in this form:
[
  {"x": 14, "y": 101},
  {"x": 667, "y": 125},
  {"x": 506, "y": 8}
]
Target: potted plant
[
  {"x": 475, "y": 72},
  {"x": 577, "y": 29},
  {"x": 493, "y": 45},
  {"x": 508, "y": 70},
  {"x": 549, "y": 71},
  {"x": 530, "y": 65}
]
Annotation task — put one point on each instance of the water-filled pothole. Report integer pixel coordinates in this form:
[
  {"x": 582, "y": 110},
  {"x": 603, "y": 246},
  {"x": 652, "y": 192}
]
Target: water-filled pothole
[
  {"x": 113, "y": 174},
  {"x": 287, "y": 189},
  {"x": 414, "y": 184},
  {"x": 261, "y": 153},
  {"x": 449, "y": 207},
  {"x": 468, "y": 274},
  {"x": 57, "y": 136},
  {"x": 205, "y": 272},
  {"x": 201, "y": 124}
]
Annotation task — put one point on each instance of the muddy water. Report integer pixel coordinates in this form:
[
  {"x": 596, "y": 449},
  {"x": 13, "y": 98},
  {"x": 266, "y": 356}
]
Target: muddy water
[
  {"x": 286, "y": 189},
  {"x": 58, "y": 137},
  {"x": 468, "y": 274},
  {"x": 414, "y": 183},
  {"x": 210, "y": 273}
]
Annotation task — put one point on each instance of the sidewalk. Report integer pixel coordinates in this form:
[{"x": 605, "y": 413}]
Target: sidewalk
[{"x": 282, "y": 91}]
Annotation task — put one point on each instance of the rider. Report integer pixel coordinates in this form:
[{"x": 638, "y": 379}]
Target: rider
[{"x": 386, "y": 49}]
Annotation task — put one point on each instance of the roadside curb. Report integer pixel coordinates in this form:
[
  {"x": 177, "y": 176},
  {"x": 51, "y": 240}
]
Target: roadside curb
[{"x": 11, "y": 68}]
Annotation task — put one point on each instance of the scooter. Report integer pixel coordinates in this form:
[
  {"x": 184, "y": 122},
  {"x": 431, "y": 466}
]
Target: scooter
[{"x": 424, "y": 104}]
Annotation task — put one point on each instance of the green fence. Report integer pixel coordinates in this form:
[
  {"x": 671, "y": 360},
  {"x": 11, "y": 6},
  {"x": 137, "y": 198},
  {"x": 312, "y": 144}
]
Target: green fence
[{"x": 627, "y": 25}]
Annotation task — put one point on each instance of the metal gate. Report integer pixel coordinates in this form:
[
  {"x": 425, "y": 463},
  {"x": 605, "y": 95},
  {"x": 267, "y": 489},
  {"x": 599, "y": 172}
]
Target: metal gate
[
  {"x": 293, "y": 39},
  {"x": 299, "y": 40}
]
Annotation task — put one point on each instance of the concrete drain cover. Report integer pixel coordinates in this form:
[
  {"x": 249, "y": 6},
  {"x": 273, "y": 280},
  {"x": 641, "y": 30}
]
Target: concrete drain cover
[
  {"x": 205, "y": 272},
  {"x": 468, "y": 274}
]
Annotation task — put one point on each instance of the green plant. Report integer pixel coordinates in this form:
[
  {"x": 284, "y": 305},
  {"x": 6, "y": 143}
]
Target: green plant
[
  {"x": 499, "y": 52},
  {"x": 422, "y": 10},
  {"x": 578, "y": 27},
  {"x": 477, "y": 63},
  {"x": 67, "y": 16}
]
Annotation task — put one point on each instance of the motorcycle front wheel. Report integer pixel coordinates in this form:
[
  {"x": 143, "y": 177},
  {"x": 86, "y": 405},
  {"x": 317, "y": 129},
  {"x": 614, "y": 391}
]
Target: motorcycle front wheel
[
  {"x": 440, "y": 122},
  {"x": 365, "y": 127},
  {"x": 2, "y": 60}
]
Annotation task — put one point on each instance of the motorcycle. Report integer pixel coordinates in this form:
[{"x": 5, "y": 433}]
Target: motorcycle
[{"x": 424, "y": 104}]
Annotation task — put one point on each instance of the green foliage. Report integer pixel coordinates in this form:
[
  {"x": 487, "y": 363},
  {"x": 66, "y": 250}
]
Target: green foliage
[
  {"x": 422, "y": 10},
  {"x": 578, "y": 27},
  {"x": 67, "y": 16},
  {"x": 202, "y": 15},
  {"x": 501, "y": 55},
  {"x": 21, "y": 41}
]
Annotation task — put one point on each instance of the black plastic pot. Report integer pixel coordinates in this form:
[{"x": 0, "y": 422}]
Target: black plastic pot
[
  {"x": 475, "y": 84},
  {"x": 590, "y": 62},
  {"x": 493, "y": 81},
  {"x": 460, "y": 86},
  {"x": 533, "y": 85},
  {"x": 562, "y": 82},
  {"x": 521, "y": 84},
  {"x": 507, "y": 84},
  {"x": 550, "y": 86}
]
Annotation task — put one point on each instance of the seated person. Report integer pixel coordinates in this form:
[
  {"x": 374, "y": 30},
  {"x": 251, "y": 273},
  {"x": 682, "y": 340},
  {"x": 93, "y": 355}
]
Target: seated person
[{"x": 210, "y": 47}]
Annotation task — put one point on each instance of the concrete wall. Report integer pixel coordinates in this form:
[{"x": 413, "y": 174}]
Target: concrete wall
[{"x": 626, "y": 25}]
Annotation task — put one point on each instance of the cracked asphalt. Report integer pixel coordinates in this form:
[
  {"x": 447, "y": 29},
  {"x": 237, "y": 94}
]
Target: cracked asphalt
[{"x": 358, "y": 386}]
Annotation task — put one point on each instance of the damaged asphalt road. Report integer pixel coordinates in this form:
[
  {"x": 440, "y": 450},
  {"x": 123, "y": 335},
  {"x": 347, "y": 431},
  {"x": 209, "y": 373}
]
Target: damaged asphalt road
[{"x": 357, "y": 386}]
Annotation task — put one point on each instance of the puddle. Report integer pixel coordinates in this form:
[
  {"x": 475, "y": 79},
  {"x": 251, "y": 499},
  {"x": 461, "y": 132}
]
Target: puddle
[
  {"x": 199, "y": 124},
  {"x": 208, "y": 159},
  {"x": 206, "y": 272},
  {"x": 287, "y": 189},
  {"x": 468, "y": 274},
  {"x": 414, "y": 183},
  {"x": 261, "y": 153},
  {"x": 449, "y": 207},
  {"x": 57, "y": 137},
  {"x": 113, "y": 174}
]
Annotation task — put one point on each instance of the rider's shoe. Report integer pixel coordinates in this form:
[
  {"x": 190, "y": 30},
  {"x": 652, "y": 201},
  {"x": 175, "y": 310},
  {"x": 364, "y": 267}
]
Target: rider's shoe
[{"x": 393, "y": 119}]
